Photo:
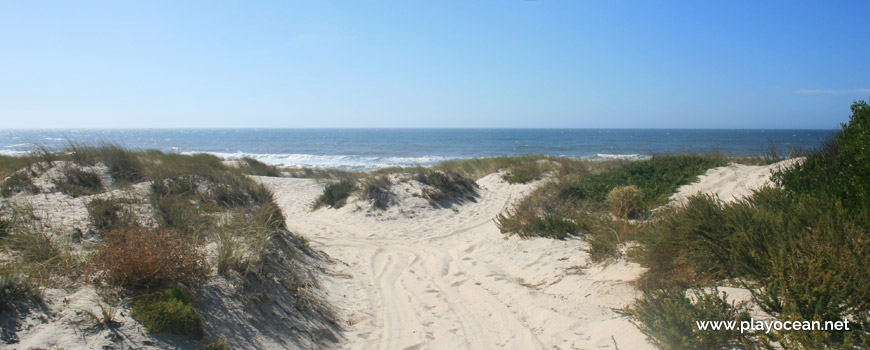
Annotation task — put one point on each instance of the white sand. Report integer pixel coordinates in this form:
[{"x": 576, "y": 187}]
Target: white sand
[
  {"x": 417, "y": 277},
  {"x": 732, "y": 182}
]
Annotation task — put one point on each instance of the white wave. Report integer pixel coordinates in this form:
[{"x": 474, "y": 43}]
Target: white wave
[
  {"x": 606, "y": 156},
  {"x": 12, "y": 153},
  {"x": 347, "y": 162}
]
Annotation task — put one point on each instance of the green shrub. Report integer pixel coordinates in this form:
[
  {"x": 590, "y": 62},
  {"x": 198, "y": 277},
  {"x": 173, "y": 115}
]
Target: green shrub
[
  {"x": 17, "y": 183},
  {"x": 658, "y": 178},
  {"x": 335, "y": 194},
  {"x": 840, "y": 169},
  {"x": 668, "y": 318},
  {"x": 76, "y": 182},
  {"x": 624, "y": 201},
  {"x": 681, "y": 247},
  {"x": 172, "y": 310}
]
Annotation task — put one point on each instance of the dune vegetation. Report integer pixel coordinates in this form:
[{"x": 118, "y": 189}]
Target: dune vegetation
[{"x": 157, "y": 229}]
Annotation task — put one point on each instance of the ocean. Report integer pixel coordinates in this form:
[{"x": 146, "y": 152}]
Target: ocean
[{"x": 368, "y": 149}]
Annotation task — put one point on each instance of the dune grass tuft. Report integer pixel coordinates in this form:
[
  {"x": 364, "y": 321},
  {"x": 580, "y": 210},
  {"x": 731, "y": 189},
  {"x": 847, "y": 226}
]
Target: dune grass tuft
[
  {"x": 252, "y": 166},
  {"x": 76, "y": 182},
  {"x": 335, "y": 194},
  {"x": 19, "y": 182},
  {"x": 172, "y": 310}
]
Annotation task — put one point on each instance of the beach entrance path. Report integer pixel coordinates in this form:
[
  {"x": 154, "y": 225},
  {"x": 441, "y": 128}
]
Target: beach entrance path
[{"x": 418, "y": 277}]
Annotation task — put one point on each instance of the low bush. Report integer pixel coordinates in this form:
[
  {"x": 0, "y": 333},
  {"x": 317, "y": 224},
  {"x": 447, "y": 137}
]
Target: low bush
[
  {"x": 19, "y": 182},
  {"x": 668, "y": 318},
  {"x": 172, "y": 310},
  {"x": 335, "y": 194},
  {"x": 624, "y": 201},
  {"x": 77, "y": 182},
  {"x": 139, "y": 257},
  {"x": 657, "y": 178}
]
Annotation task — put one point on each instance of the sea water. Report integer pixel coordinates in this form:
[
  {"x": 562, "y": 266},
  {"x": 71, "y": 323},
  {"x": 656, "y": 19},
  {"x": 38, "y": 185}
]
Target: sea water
[{"x": 367, "y": 149}]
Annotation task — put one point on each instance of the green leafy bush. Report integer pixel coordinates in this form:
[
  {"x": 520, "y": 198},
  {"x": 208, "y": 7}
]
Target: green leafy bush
[
  {"x": 668, "y": 318},
  {"x": 658, "y": 178},
  {"x": 172, "y": 310}
]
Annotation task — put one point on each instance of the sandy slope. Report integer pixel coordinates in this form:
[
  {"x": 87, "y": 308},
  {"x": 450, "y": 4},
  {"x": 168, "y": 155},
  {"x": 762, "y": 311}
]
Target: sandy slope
[
  {"x": 417, "y": 277},
  {"x": 731, "y": 182}
]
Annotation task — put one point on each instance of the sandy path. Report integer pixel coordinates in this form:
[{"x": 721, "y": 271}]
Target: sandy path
[{"x": 419, "y": 277}]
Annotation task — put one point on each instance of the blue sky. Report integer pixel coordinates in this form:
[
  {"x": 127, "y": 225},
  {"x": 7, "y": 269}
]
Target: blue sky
[{"x": 546, "y": 63}]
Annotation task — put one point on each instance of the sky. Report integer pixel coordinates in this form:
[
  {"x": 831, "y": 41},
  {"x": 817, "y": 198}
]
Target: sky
[{"x": 448, "y": 64}]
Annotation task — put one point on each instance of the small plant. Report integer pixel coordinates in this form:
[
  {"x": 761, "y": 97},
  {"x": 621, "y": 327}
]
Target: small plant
[
  {"x": 108, "y": 313},
  {"x": 624, "y": 201},
  {"x": 171, "y": 310},
  {"x": 109, "y": 214},
  {"x": 19, "y": 182},
  {"x": 138, "y": 257},
  {"x": 446, "y": 185},
  {"x": 377, "y": 190},
  {"x": 217, "y": 345},
  {"x": 335, "y": 194},
  {"x": 523, "y": 173},
  {"x": 76, "y": 182},
  {"x": 14, "y": 288},
  {"x": 252, "y": 166},
  {"x": 668, "y": 318}
]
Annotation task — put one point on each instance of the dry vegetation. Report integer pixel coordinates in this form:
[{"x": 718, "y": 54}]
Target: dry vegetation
[{"x": 154, "y": 264}]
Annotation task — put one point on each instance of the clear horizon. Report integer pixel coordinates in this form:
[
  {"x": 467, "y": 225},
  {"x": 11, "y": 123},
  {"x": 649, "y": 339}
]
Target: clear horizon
[{"x": 521, "y": 64}]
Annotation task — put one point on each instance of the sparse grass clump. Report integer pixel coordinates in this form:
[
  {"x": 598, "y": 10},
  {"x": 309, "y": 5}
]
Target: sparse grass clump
[
  {"x": 19, "y": 182},
  {"x": 77, "y": 182},
  {"x": 108, "y": 214},
  {"x": 14, "y": 288},
  {"x": 252, "y": 166},
  {"x": 335, "y": 194},
  {"x": 624, "y": 201},
  {"x": 172, "y": 310},
  {"x": 446, "y": 185},
  {"x": 377, "y": 190},
  {"x": 519, "y": 169},
  {"x": 138, "y": 257}
]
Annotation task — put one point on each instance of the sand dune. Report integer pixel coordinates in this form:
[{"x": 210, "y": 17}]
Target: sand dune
[{"x": 416, "y": 277}]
